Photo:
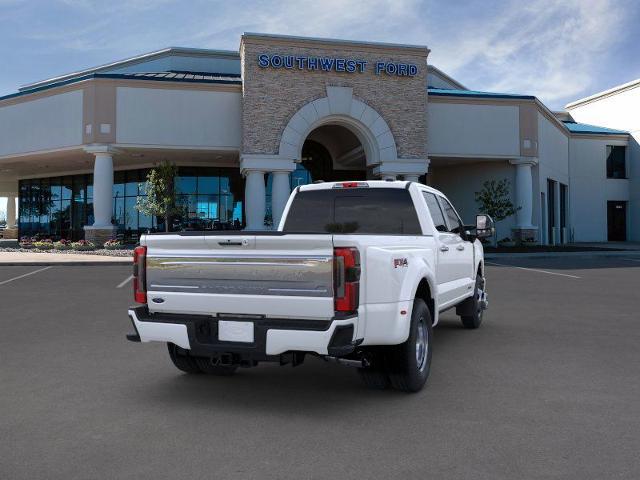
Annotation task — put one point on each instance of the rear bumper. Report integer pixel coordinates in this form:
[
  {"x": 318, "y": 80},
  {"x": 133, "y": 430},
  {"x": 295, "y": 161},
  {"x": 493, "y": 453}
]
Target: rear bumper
[{"x": 272, "y": 337}]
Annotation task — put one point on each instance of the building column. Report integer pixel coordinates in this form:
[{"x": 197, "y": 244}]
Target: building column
[
  {"x": 11, "y": 232},
  {"x": 280, "y": 191},
  {"x": 524, "y": 230},
  {"x": 254, "y": 199},
  {"x": 409, "y": 169},
  {"x": 254, "y": 166},
  {"x": 102, "y": 228},
  {"x": 11, "y": 212}
]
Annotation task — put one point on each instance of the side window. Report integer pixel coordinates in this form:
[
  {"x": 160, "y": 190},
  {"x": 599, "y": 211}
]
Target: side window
[
  {"x": 435, "y": 211},
  {"x": 455, "y": 225}
]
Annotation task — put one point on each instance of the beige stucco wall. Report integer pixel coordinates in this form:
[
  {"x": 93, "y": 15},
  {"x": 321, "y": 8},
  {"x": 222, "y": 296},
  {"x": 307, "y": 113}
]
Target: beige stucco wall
[
  {"x": 45, "y": 123},
  {"x": 272, "y": 96}
]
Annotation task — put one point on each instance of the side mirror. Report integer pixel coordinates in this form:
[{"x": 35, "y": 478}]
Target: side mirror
[{"x": 485, "y": 227}]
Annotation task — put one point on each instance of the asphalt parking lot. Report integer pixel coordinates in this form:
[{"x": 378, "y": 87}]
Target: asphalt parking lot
[{"x": 548, "y": 387}]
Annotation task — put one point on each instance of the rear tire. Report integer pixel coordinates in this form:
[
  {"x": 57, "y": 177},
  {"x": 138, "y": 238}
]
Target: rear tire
[
  {"x": 209, "y": 368},
  {"x": 181, "y": 359},
  {"x": 475, "y": 319},
  {"x": 408, "y": 364}
]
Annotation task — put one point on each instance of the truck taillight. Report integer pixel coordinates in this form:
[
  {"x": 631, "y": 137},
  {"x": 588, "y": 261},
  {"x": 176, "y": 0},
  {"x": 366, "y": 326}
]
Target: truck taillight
[
  {"x": 140, "y": 274},
  {"x": 346, "y": 279}
]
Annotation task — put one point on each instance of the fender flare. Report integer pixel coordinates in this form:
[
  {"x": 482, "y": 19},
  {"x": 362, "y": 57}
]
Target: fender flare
[{"x": 427, "y": 273}]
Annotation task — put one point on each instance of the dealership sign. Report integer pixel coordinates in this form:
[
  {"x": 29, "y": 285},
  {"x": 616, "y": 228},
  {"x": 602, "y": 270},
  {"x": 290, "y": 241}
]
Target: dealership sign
[{"x": 335, "y": 64}]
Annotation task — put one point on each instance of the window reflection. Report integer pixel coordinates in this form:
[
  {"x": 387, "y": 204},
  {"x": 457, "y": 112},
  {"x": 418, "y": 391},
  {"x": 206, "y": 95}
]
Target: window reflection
[{"x": 59, "y": 207}]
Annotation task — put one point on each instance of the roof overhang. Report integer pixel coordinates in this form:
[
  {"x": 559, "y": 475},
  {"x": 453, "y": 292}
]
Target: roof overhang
[{"x": 145, "y": 57}]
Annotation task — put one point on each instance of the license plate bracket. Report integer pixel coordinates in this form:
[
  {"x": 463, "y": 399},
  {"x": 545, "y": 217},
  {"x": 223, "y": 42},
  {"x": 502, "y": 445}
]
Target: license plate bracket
[{"x": 234, "y": 331}]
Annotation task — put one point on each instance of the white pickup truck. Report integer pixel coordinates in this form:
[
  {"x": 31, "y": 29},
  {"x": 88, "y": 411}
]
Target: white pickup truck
[{"x": 357, "y": 272}]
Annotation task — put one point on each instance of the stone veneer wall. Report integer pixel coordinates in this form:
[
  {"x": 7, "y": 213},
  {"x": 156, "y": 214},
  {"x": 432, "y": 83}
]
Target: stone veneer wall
[{"x": 272, "y": 96}]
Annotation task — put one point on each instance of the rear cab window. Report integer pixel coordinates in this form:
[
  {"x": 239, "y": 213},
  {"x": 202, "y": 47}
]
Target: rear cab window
[{"x": 362, "y": 210}]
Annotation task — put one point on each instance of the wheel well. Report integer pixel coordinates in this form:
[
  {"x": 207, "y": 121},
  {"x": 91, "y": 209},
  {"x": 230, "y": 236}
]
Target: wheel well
[{"x": 424, "y": 292}]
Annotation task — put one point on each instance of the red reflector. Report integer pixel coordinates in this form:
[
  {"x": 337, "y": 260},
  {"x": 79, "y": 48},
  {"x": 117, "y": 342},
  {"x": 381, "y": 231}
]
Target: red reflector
[{"x": 140, "y": 274}]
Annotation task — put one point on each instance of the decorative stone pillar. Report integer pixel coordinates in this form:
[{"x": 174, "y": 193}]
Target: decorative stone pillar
[
  {"x": 280, "y": 191},
  {"x": 524, "y": 229},
  {"x": 254, "y": 199},
  {"x": 253, "y": 166},
  {"x": 102, "y": 228}
]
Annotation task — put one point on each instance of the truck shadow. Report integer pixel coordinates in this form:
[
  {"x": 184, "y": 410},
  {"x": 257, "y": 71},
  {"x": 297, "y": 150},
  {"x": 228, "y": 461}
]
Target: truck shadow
[{"x": 316, "y": 388}]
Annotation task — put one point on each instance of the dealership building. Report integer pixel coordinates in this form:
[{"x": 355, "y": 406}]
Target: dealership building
[{"x": 246, "y": 127}]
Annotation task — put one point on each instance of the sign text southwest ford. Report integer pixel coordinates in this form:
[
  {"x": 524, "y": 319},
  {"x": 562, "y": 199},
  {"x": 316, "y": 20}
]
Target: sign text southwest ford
[{"x": 332, "y": 64}]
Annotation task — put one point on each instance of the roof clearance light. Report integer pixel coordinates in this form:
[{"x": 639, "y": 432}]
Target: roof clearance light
[{"x": 351, "y": 185}]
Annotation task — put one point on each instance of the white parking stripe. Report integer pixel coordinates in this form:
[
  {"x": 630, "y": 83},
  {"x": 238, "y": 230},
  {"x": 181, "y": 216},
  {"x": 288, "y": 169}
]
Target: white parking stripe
[
  {"x": 125, "y": 281},
  {"x": 533, "y": 270},
  {"x": 25, "y": 275}
]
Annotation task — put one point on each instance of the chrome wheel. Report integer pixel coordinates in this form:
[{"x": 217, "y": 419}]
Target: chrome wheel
[{"x": 422, "y": 345}]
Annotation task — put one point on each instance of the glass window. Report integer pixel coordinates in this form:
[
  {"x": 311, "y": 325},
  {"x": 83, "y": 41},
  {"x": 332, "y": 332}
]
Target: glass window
[
  {"x": 616, "y": 165},
  {"x": 186, "y": 184},
  {"x": 131, "y": 185},
  {"x": 118, "y": 184},
  {"x": 453, "y": 220},
  {"x": 435, "y": 211},
  {"x": 131, "y": 214},
  {"x": 358, "y": 210},
  {"x": 67, "y": 189},
  {"x": 55, "y": 187},
  {"x": 208, "y": 185}
]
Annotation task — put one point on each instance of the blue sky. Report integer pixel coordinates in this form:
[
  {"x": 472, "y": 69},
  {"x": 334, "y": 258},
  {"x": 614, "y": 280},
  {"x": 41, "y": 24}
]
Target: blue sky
[{"x": 557, "y": 50}]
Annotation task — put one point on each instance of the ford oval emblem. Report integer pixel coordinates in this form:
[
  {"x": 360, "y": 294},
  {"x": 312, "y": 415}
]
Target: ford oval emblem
[{"x": 157, "y": 300}]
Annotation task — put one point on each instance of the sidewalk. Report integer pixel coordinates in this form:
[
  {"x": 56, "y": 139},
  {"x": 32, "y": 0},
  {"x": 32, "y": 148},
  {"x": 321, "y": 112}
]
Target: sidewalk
[
  {"x": 635, "y": 254},
  {"x": 36, "y": 259}
]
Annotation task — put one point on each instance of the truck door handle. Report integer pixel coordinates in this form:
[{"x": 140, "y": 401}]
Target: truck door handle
[
  {"x": 444, "y": 248},
  {"x": 460, "y": 247}
]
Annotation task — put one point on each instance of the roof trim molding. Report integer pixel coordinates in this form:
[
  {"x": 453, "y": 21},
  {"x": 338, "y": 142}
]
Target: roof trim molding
[
  {"x": 236, "y": 83},
  {"x": 604, "y": 94},
  {"x": 448, "y": 78},
  {"x": 318, "y": 42},
  {"x": 165, "y": 52}
]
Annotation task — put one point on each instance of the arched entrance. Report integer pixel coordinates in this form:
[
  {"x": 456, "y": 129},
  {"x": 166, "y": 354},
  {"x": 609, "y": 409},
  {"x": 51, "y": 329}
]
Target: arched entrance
[
  {"x": 337, "y": 137},
  {"x": 333, "y": 153}
]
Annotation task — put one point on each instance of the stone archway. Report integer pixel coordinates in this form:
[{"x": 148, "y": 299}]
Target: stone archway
[{"x": 339, "y": 107}]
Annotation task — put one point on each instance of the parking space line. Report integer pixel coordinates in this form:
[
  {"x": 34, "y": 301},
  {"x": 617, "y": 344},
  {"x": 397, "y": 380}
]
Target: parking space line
[
  {"x": 533, "y": 270},
  {"x": 25, "y": 275},
  {"x": 125, "y": 281}
]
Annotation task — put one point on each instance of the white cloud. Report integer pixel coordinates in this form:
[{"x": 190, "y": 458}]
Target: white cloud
[{"x": 546, "y": 48}]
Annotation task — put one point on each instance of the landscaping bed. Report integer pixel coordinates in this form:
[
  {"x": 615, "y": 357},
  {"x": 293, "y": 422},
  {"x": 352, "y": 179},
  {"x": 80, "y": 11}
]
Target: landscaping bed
[{"x": 124, "y": 252}]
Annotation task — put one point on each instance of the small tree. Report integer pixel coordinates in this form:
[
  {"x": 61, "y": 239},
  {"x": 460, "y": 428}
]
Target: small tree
[
  {"x": 161, "y": 194},
  {"x": 495, "y": 199}
]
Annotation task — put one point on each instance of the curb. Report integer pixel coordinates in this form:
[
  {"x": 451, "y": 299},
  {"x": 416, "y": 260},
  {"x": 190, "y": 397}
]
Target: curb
[
  {"x": 595, "y": 253},
  {"x": 88, "y": 263}
]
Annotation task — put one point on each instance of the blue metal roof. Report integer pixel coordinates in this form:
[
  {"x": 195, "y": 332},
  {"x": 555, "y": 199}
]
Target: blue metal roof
[
  {"x": 575, "y": 127},
  {"x": 445, "y": 92},
  {"x": 188, "y": 77}
]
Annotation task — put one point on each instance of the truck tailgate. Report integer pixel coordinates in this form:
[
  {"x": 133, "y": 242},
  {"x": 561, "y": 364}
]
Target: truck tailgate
[{"x": 275, "y": 275}]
